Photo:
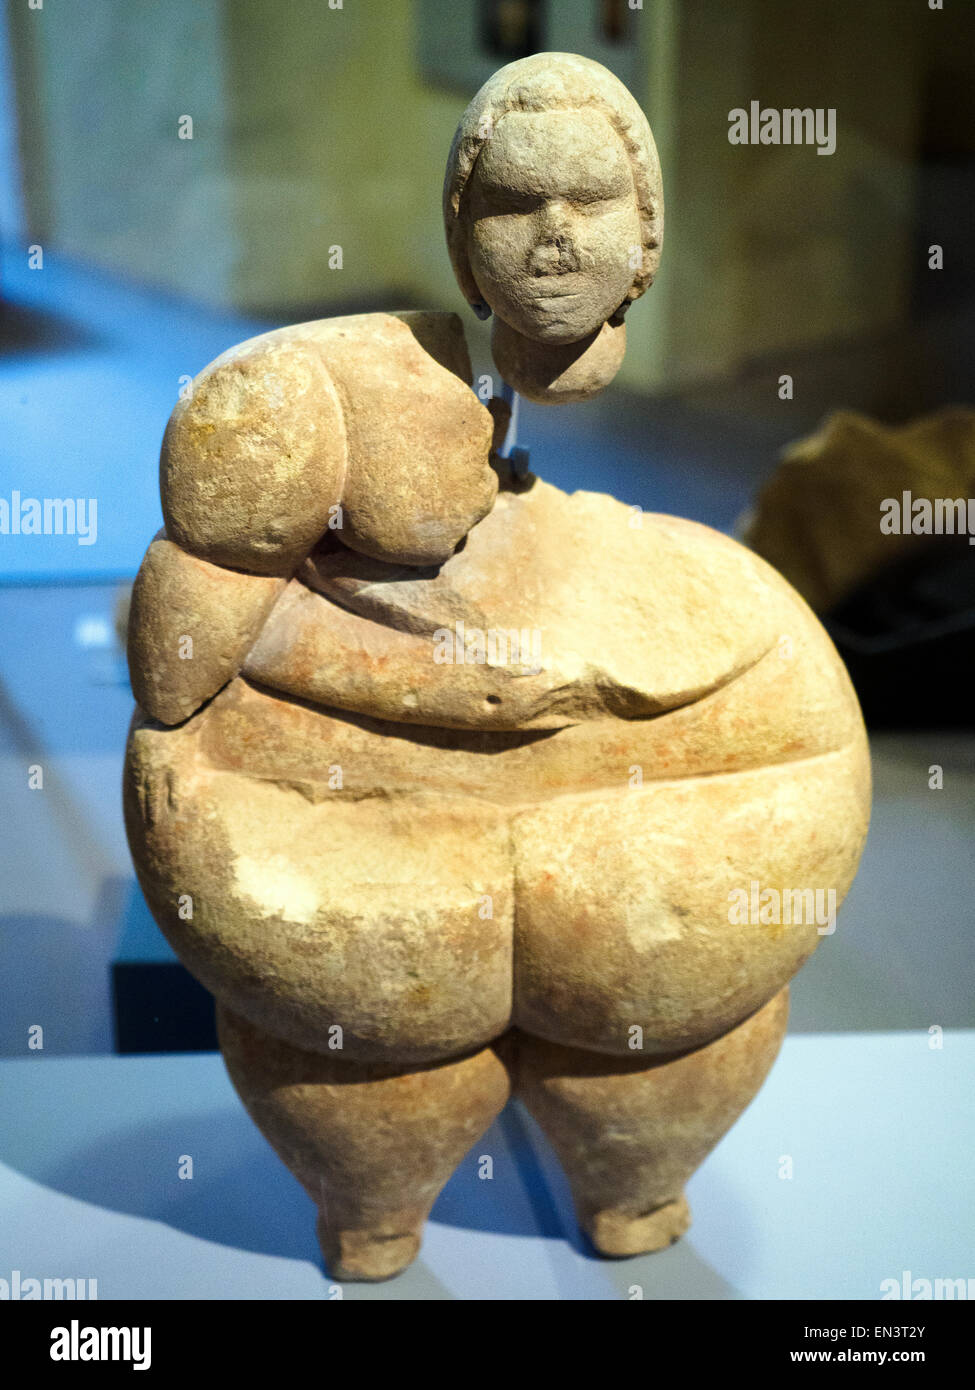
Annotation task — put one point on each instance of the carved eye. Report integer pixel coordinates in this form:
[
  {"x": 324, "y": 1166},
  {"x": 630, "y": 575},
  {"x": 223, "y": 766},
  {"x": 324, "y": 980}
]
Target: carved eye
[
  {"x": 502, "y": 202},
  {"x": 593, "y": 207}
]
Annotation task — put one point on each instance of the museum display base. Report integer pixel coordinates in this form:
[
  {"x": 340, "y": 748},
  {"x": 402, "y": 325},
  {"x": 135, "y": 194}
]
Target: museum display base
[{"x": 876, "y": 1125}]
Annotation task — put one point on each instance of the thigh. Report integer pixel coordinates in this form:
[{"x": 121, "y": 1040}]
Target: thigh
[
  {"x": 381, "y": 926},
  {"x": 625, "y": 903}
]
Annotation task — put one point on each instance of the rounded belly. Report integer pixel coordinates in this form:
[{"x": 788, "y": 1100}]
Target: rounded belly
[{"x": 390, "y": 896}]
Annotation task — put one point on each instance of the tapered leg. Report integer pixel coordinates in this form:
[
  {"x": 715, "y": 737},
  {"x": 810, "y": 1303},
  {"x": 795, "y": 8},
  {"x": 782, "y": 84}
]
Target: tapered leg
[
  {"x": 630, "y": 1132},
  {"x": 372, "y": 1144}
]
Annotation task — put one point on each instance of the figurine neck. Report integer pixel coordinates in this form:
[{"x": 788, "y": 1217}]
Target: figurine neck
[{"x": 557, "y": 373}]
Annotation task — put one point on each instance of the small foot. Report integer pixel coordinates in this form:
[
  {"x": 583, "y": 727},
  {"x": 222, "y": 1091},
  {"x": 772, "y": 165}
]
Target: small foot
[
  {"x": 620, "y": 1233},
  {"x": 367, "y": 1255}
]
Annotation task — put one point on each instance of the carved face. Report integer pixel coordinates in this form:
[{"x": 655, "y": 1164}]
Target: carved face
[{"x": 554, "y": 229}]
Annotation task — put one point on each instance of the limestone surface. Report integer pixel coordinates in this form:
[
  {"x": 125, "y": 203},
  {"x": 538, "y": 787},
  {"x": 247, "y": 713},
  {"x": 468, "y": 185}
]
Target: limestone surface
[
  {"x": 553, "y": 850},
  {"x": 553, "y": 208},
  {"x": 363, "y": 425},
  {"x": 563, "y": 373},
  {"x": 424, "y": 812}
]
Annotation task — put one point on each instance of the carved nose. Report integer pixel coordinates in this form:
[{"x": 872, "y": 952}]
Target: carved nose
[{"x": 555, "y": 252}]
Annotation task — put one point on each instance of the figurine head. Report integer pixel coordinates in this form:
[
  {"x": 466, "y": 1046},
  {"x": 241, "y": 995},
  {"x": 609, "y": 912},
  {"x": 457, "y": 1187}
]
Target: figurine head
[{"x": 554, "y": 217}]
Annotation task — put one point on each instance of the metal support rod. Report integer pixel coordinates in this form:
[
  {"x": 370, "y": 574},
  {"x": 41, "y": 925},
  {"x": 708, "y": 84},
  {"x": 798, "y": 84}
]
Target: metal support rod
[
  {"x": 510, "y": 396},
  {"x": 518, "y": 458}
]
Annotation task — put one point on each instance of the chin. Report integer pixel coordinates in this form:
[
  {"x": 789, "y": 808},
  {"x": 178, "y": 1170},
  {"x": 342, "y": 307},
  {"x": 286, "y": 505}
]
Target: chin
[{"x": 557, "y": 333}]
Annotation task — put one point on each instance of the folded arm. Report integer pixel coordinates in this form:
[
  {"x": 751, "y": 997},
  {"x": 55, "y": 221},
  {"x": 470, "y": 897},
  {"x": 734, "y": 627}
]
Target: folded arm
[{"x": 364, "y": 425}]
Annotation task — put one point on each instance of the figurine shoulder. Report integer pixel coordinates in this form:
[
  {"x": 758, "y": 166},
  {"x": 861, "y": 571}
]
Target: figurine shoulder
[
  {"x": 365, "y": 424},
  {"x": 254, "y": 457}
]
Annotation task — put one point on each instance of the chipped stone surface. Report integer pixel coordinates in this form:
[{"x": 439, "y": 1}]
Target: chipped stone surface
[{"x": 668, "y": 610}]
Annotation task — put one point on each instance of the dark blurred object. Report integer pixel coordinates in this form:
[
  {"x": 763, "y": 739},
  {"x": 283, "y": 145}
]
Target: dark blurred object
[
  {"x": 615, "y": 17},
  {"x": 158, "y": 1005},
  {"x": 907, "y": 637},
  {"x": 818, "y": 518},
  {"x": 511, "y": 29},
  {"x": 843, "y": 519},
  {"x": 161, "y": 1008},
  {"x": 34, "y": 330},
  {"x": 460, "y": 43}
]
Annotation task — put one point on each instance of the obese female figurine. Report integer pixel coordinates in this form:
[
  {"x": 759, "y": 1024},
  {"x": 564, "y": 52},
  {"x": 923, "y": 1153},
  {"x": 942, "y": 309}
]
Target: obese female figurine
[{"x": 451, "y": 786}]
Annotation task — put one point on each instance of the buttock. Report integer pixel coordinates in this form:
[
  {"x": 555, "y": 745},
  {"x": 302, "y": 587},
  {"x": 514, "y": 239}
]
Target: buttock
[{"x": 418, "y": 919}]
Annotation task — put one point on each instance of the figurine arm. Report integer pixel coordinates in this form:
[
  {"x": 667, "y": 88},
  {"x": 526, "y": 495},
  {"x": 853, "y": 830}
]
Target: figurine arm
[
  {"x": 254, "y": 461},
  {"x": 251, "y": 464},
  {"x": 191, "y": 624},
  {"x": 360, "y": 425}
]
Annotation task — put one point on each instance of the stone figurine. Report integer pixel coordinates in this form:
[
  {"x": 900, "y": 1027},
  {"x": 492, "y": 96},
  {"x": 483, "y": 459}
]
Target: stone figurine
[{"x": 451, "y": 786}]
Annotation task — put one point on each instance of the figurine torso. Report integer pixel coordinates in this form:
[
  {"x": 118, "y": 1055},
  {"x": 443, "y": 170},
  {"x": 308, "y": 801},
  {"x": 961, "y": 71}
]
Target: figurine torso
[{"x": 395, "y": 824}]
